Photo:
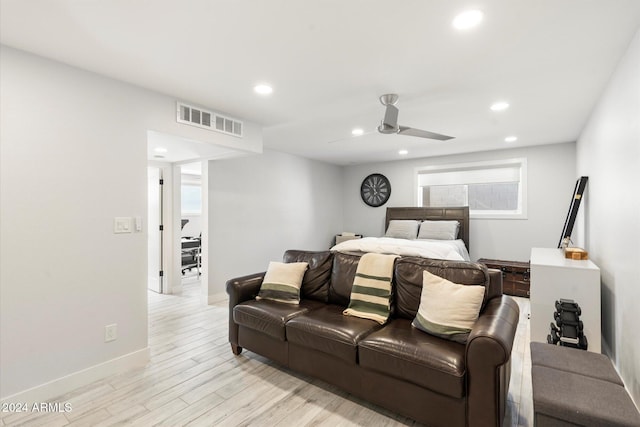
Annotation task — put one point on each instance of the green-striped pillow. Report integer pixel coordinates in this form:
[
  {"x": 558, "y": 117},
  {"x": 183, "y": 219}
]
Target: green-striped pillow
[
  {"x": 372, "y": 288},
  {"x": 448, "y": 310},
  {"x": 282, "y": 282}
]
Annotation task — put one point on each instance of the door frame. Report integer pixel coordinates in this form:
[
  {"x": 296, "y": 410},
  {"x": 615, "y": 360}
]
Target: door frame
[
  {"x": 158, "y": 273},
  {"x": 169, "y": 280}
]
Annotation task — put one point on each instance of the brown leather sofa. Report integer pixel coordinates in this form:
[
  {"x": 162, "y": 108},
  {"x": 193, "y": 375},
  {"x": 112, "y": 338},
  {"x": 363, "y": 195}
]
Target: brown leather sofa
[{"x": 432, "y": 380}]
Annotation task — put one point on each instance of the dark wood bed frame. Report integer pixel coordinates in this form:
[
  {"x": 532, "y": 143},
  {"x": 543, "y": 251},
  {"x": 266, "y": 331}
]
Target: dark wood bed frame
[{"x": 460, "y": 214}]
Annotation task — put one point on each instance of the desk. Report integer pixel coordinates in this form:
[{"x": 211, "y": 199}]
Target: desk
[{"x": 553, "y": 277}]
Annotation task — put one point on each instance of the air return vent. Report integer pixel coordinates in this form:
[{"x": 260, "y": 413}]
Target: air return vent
[{"x": 200, "y": 117}]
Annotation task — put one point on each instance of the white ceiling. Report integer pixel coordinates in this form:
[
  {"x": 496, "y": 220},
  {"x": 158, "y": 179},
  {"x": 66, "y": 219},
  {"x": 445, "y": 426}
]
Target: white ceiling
[
  {"x": 328, "y": 61},
  {"x": 182, "y": 150}
]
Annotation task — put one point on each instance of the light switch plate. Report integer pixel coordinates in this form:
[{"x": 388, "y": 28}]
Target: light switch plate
[{"x": 122, "y": 225}]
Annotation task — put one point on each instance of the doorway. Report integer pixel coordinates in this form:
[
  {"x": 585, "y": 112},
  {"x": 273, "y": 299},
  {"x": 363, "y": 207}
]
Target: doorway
[
  {"x": 154, "y": 229},
  {"x": 192, "y": 221},
  {"x": 170, "y": 154}
]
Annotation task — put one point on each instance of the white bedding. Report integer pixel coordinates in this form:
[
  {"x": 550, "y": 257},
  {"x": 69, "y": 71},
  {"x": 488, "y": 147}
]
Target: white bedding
[{"x": 454, "y": 250}]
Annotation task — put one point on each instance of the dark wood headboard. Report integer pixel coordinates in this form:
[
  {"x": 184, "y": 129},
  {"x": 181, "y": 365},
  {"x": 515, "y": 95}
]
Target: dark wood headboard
[{"x": 460, "y": 214}]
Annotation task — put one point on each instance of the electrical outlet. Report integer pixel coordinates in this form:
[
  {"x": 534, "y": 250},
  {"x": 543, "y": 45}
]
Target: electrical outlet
[{"x": 110, "y": 332}]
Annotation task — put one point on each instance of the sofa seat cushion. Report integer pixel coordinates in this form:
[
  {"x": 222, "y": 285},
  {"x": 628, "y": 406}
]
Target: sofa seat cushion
[
  {"x": 404, "y": 352},
  {"x": 270, "y": 317},
  {"x": 329, "y": 331}
]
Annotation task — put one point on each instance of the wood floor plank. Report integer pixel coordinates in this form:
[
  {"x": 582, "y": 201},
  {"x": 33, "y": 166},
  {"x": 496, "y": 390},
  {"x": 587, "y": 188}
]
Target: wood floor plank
[
  {"x": 194, "y": 410},
  {"x": 270, "y": 388},
  {"x": 159, "y": 414},
  {"x": 89, "y": 419}
]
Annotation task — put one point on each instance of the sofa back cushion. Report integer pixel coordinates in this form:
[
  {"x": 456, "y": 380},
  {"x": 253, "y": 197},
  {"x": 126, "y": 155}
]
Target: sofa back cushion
[
  {"x": 408, "y": 279},
  {"x": 315, "y": 283},
  {"x": 342, "y": 275}
]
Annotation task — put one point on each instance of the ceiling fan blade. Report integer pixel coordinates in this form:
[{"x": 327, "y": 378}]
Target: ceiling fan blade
[{"x": 404, "y": 130}]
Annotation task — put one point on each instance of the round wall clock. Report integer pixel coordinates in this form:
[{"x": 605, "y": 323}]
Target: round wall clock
[{"x": 375, "y": 190}]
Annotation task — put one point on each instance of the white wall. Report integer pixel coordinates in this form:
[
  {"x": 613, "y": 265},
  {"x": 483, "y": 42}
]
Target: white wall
[
  {"x": 194, "y": 227},
  {"x": 260, "y": 206},
  {"x": 608, "y": 151},
  {"x": 551, "y": 178},
  {"x": 74, "y": 156}
]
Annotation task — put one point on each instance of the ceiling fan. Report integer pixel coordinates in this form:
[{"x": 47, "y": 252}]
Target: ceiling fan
[{"x": 390, "y": 121}]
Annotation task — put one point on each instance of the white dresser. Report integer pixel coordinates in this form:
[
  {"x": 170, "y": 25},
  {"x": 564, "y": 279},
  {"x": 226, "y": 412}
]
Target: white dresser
[{"x": 554, "y": 277}]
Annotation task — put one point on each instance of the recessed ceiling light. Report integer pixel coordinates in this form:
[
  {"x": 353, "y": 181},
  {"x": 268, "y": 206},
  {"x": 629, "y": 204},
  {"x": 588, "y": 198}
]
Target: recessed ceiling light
[
  {"x": 160, "y": 150},
  {"x": 263, "y": 89},
  {"x": 499, "y": 106},
  {"x": 511, "y": 139},
  {"x": 467, "y": 19},
  {"x": 403, "y": 152},
  {"x": 357, "y": 132}
]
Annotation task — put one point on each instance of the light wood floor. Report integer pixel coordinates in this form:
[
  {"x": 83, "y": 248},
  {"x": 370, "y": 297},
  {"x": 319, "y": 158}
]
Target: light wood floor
[{"x": 194, "y": 379}]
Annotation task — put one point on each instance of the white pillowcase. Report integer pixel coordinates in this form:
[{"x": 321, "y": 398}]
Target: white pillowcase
[
  {"x": 403, "y": 229},
  {"x": 439, "y": 230},
  {"x": 448, "y": 310}
]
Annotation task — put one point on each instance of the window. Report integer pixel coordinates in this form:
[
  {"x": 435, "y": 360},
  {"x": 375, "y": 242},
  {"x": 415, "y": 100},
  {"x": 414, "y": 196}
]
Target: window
[
  {"x": 490, "y": 189},
  {"x": 191, "y": 194},
  {"x": 191, "y": 199}
]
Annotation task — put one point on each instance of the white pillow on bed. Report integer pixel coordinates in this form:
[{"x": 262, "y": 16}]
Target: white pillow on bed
[
  {"x": 403, "y": 229},
  {"x": 439, "y": 230}
]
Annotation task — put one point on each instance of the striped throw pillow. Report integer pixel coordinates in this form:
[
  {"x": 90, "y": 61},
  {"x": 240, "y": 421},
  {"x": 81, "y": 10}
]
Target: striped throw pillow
[
  {"x": 282, "y": 282},
  {"x": 372, "y": 288},
  {"x": 448, "y": 310}
]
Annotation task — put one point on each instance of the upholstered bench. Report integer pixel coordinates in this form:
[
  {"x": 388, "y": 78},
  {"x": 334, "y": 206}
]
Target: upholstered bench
[{"x": 575, "y": 387}]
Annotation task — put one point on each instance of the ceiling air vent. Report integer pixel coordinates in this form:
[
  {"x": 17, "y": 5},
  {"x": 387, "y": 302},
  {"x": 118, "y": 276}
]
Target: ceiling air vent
[{"x": 202, "y": 118}]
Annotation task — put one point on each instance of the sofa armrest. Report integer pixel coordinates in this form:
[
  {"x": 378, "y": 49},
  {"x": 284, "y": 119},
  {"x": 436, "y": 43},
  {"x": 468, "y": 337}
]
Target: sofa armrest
[
  {"x": 495, "y": 283},
  {"x": 488, "y": 361},
  {"x": 241, "y": 289}
]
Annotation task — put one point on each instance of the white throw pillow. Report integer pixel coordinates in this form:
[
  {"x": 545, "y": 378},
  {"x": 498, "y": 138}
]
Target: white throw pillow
[
  {"x": 439, "y": 230},
  {"x": 448, "y": 310},
  {"x": 403, "y": 229},
  {"x": 282, "y": 282}
]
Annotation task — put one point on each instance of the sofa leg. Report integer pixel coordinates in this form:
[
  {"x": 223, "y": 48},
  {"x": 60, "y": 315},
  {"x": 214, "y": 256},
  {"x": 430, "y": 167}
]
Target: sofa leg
[{"x": 236, "y": 349}]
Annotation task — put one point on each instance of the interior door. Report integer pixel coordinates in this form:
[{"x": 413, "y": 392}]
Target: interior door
[{"x": 154, "y": 228}]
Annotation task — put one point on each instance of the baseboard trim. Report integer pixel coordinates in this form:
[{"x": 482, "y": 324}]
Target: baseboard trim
[
  {"x": 217, "y": 297},
  {"x": 60, "y": 386}
]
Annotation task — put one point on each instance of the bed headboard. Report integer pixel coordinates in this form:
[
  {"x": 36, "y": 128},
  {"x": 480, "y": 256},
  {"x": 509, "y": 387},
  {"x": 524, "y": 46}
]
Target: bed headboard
[{"x": 460, "y": 214}]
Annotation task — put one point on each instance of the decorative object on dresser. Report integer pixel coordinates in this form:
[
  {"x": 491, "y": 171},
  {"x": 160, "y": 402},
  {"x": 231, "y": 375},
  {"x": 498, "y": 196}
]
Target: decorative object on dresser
[
  {"x": 515, "y": 276},
  {"x": 578, "y": 191},
  {"x": 576, "y": 253}
]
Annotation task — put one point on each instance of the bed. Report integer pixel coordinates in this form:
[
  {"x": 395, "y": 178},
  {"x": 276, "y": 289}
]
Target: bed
[{"x": 448, "y": 245}]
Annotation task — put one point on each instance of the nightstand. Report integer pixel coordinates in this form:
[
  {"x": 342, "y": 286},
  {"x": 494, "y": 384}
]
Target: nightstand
[{"x": 515, "y": 276}]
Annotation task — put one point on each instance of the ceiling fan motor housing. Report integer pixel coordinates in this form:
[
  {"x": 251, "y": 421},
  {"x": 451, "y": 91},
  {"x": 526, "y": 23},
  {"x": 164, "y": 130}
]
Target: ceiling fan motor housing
[
  {"x": 384, "y": 128},
  {"x": 389, "y": 99}
]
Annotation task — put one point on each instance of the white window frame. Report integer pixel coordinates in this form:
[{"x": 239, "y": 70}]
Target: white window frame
[{"x": 520, "y": 213}]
